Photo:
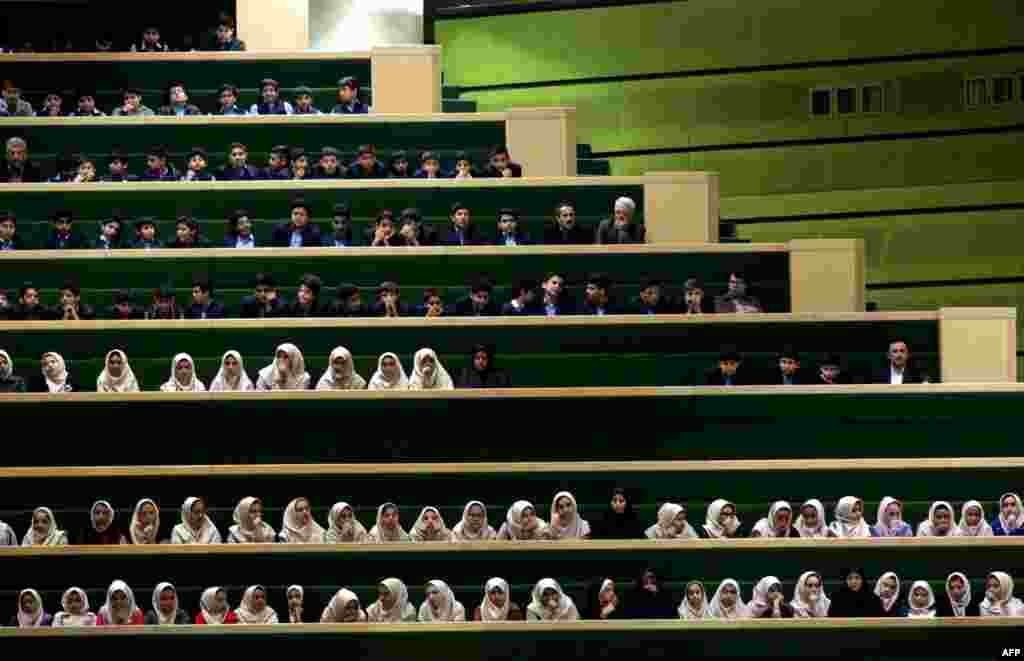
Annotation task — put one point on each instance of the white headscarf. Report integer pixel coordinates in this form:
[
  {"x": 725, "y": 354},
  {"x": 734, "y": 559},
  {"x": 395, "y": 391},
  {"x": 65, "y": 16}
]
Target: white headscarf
[
  {"x": 245, "y": 528},
  {"x": 438, "y": 379},
  {"x": 65, "y": 619},
  {"x": 56, "y": 381},
  {"x": 884, "y": 526},
  {"x": 381, "y": 535},
  {"x": 461, "y": 531},
  {"x": 347, "y": 380},
  {"x": 1003, "y": 603},
  {"x": 246, "y": 614},
  {"x": 887, "y": 603},
  {"x": 959, "y": 606},
  {"x": 576, "y": 529},
  {"x": 173, "y": 385},
  {"x": 160, "y": 617},
  {"x": 53, "y": 535},
  {"x": 759, "y": 603},
  {"x": 221, "y": 382},
  {"x": 1019, "y": 523},
  {"x": 766, "y": 527},
  {"x": 9, "y": 369},
  {"x": 294, "y": 617},
  {"x": 804, "y": 608},
  {"x": 206, "y": 601},
  {"x": 564, "y": 610},
  {"x": 137, "y": 531},
  {"x": 820, "y": 529},
  {"x": 107, "y": 610},
  {"x": 35, "y": 618},
  {"x": 335, "y": 535},
  {"x": 451, "y": 610},
  {"x": 738, "y": 611},
  {"x": 927, "y": 611},
  {"x": 927, "y": 527},
  {"x": 488, "y": 611},
  {"x": 295, "y": 378},
  {"x": 336, "y": 607},
  {"x": 419, "y": 532},
  {"x": 514, "y": 522},
  {"x": 124, "y": 383},
  {"x": 397, "y": 613},
  {"x": 185, "y": 534},
  {"x": 844, "y": 526},
  {"x": 299, "y": 531},
  {"x": 712, "y": 527},
  {"x": 687, "y": 612},
  {"x": 983, "y": 529},
  {"x": 665, "y": 526},
  {"x": 379, "y": 382}
]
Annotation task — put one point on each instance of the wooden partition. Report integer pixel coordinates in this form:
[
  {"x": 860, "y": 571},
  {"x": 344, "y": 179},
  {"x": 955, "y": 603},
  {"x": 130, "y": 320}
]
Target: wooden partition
[{"x": 978, "y": 344}]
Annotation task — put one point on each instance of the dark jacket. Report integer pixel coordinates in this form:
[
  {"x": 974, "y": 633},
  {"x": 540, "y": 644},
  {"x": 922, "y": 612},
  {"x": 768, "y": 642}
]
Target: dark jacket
[
  {"x": 213, "y": 310},
  {"x": 46, "y": 621},
  {"x": 492, "y": 172},
  {"x": 642, "y": 604},
  {"x": 181, "y": 617},
  {"x": 247, "y": 173},
  {"x": 944, "y": 608},
  {"x": 233, "y": 45},
  {"x": 282, "y": 235},
  {"x": 168, "y": 175},
  {"x": 270, "y": 173},
  {"x": 665, "y": 305},
  {"x": 139, "y": 244},
  {"x": 522, "y": 239},
  {"x": 357, "y": 108},
  {"x": 422, "y": 174},
  {"x": 37, "y": 383},
  {"x": 74, "y": 241},
  {"x": 610, "y": 308},
  {"x": 100, "y": 244},
  {"x": 20, "y": 312},
  {"x": 134, "y": 312},
  {"x": 554, "y": 236},
  {"x": 327, "y": 241},
  {"x": 234, "y": 110},
  {"x": 320, "y": 173},
  {"x": 564, "y": 307},
  {"x": 613, "y": 525},
  {"x": 713, "y": 377},
  {"x": 404, "y": 310},
  {"x": 339, "y": 309},
  {"x": 231, "y": 240},
  {"x": 355, "y": 171},
  {"x": 200, "y": 176},
  {"x": 726, "y": 303},
  {"x": 509, "y": 310},
  {"x": 452, "y": 237},
  {"x": 253, "y": 309},
  {"x": 200, "y": 242},
  {"x": 785, "y": 612},
  {"x": 168, "y": 110},
  {"x": 14, "y": 244},
  {"x": 13, "y": 383},
  {"x": 122, "y": 178},
  {"x": 799, "y": 379},
  {"x": 464, "y": 308},
  {"x": 607, "y": 233},
  {"x": 30, "y": 174},
  {"x": 470, "y": 377},
  {"x": 85, "y": 312},
  {"x": 296, "y": 309},
  {"x": 910, "y": 374}
]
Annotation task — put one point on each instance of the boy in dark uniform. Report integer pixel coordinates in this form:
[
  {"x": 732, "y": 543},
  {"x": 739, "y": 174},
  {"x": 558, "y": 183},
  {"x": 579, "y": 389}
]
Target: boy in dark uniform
[{"x": 348, "y": 98}]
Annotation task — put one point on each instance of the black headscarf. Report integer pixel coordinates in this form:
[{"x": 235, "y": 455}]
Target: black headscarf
[
  {"x": 491, "y": 377},
  {"x": 642, "y": 604},
  {"x": 847, "y": 603},
  {"x": 613, "y": 525}
]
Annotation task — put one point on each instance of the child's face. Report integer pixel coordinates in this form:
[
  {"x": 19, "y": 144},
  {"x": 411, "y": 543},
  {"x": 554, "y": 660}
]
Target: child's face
[
  {"x": 238, "y": 157},
  {"x": 269, "y": 93},
  {"x": 40, "y": 522},
  {"x": 432, "y": 166},
  {"x": 244, "y": 226},
  {"x": 461, "y": 218},
  {"x": 53, "y": 103},
  {"x": 168, "y": 601},
  {"x": 156, "y": 163},
  {"x": 389, "y": 518},
  {"x": 197, "y": 163},
  {"x": 87, "y": 104},
  {"x": 228, "y": 98},
  {"x": 305, "y": 298},
  {"x": 151, "y": 36},
  {"x": 75, "y": 603},
  {"x": 197, "y": 513},
  {"x": 87, "y": 170},
  {"x": 294, "y": 599},
  {"x": 118, "y": 167},
  {"x": 111, "y": 229},
  {"x": 200, "y": 297},
  {"x": 147, "y": 232},
  {"x": 276, "y": 161},
  {"x": 178, "y": 95},
  {"x": 464, "y": 167},
  {"x": 367, "y": 161},
  {"x": 225, "y": 33},
  {"x": 63, "y": 226},
  {"x": 132, "y": 100},
  {"x": 508, "y": 224},
  {"x": 401, "y": 165},
  {"x": 346, "y": 94},
  {"x": 499, "y": 161},
  {"x": 304, "y": 101},
  {"x": 183, "y": 371},
  {"x": 183, "y": 232},
  {"x": 329, "y": 163},
  {"x": 300, "y": 217},
  {"x": 7, "y": 230}
]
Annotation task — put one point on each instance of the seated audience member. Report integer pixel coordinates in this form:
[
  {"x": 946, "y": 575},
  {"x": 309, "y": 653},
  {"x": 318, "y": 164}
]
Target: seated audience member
[
  {"x": 150, "y": 42},
  {"x": 224, "y": 37},
  {"x": 232, "y": 375},
  {"x": 278, "y": 166},
  {"x": 1010, "y": 521},
  {"x": 84, "y": 171},
  {"x": 479, "y": 302},
  {"x": 830, "y": 371},
  {"x": 789, "y": 373},
  {"x": 9, "y": 381},
  {"x": 554, "y": 302},
  {"x": 390, "y": 375},
  {"x": 52, "y": 106},
  {"x": 721, "y": 522},
  {"x": 343, "y": 608},
  {"x": 29, "y": 308},
  {"x": 6, "y": 307},
  {"x": 120, "y": 608},
  {"x": 183, "y": 376},
  {"x": 940, "y": 521},
  {"x": 564, "y": 230},
  {"x": 214, "y": 608},
  {"x": 30, "y": 611},
  {"x": 9, "y": 239},
  {"x": 299, "y": 164},
  {"x": 620, "y": 228},
  {"x": 388, "y": 527},
  {"x": 428, "y": 373},
  {"x": 250, "y": 528},
  {"x": 86, "y": 105},
  {"x": 694, "y": 605},
  {"x": 778, "y": 523},
  {"x": 227, "y": 97},
  {"x": 501, "y": 164},
  {"x": 653, "y": 299},
  {"x": 157, "y": 167},
  {"x": 433, "y": 304},
  {"x": 849, "y": 519},
  {"x": 304, "y": 101},
  {"x": 430, "y": 167},
  {"x": 389, "y": 303},
  {"x": 620, "y": 520},
  {"x": 270, "y": 100},
  {"x": 195, "y": 166},
  {"x": 398, "y": 165},
  {"x": 899, "y": 370},
  {"x": 17, "y": 169},
  {"x": 509, "y": 232},
  {"x": 366, "y": 165},
  {"x": 176, "y": 102},
  {"x": 972, "y": 520},
  {"x": 132, "y": 105},
  {"x": 440, "y": 604},
  {"x": 110, "y": 233},
  {"x": 265, "y": 301},
  {"x": 7, "y": 535},
  {"x": 596, "y": 300},
  {"x": 239, "y": 232},
  {"x": 809, "y": 598},
  {"x": 187, "y": 234},
  {"x": 920, "y": 601},
  {"x": 999, "y": 600},
  {"x": 195, "y": 527},
  {"x": 729, "y": 372},
  {"x": 566, "y": 522},
  {"x": 887, "y": 589},
  {"x": 889, "y": 522},
  {"x": 736, "y": 299},
  {"x": 44, "y": 530},
  {"x": 497, "y": 604},
  {"x": 16, "y": 106},
  {"x": 165, "y": 304},
  {"x": 340, "y": 373},
  {"x": 254, "y": 608},
  {"x": 63, "y": 236},
  {"x": 523, "y": 302},
  {"x": 430, "y": 527},
  {"x": 307, "y": 299},
  {"x": 70, "y": 307},
  {"x": 482, "y": 372},
  {"x": 344, "y": 528},
  {"x": 348, "y": 98},
  {"x": 117, "y": 374},
  {"x": 342, "y": 236},
  {"x": 124, "y": 307},
  {"x": 203, "y": 304},
  {"x": 956, "y": 599},
  {"x": 549, "y": 603},
  {"x": 473, "y": 526},
  {"x": 412, "y": 232},
  {"x": 298, "y": 525},
  {"x": 237, "y": 168},
  {"x": 286, "y": 372},
  {"x": 463, "y": 166},
  {"x": 329, "y": 166},
  {"x": 649, "y": 599},
  {"x": 74, "y": 610},
  {"x": 117, "y": 168},
  {"x": 65, "y": 167},
  {"x": 768, "y": 602},
  {"x": 300, "y": 231},
  {"x": 145, "y": 234},
  {"x": 522, "y": 523},
  {"x": 348, "y": 302},
  {"x": 392, "y": 605},
  {"x": 671, "y": 524}
]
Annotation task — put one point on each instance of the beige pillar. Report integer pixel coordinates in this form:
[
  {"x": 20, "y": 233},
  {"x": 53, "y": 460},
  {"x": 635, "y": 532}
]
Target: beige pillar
[
  {"x": 268, "y": 25},
  {"x": 826, "y": 275},
  {"x": 681, "y": 207},
  {"x": 542, "y": 140},
  {"x": 406, "y": 79},
  {"x": 978, "y": 345}
]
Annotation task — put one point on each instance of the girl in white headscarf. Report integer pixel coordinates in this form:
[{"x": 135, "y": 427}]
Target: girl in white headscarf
[
  {"x": 232, "y": 375},
  {"x": 768, "y": 601},
  {"x": 887, "y": 588},
  {"x": 390, "y": 374},
  {"x": 972, "y": 520},
  {"x": 809, "y": 598},
  {"x": 214, "y": 608},
  {"x": 44, "y": 531},
  {"x": 120, "y": 606},
  {"x": 55, "y": 373},
  {"x": 890, "y": 521},
  {"x": 497, "y": 604},
  {"x": 721, "y": 521},
  {"x": 957, "y": 602},
  {"x": 287, "y": 372},
  {"x": 195, "y": 527},
  {"x": 117, "y": 375},
  {"x": 343, "y": 527},
  {"x": 75, "y": 613},
  {"x": 254, "y": 608},
  {"x": 392, "y": 603},
  {"x": 811, "y": 522},
  {"x": 940, "y": 521},
  {"x": 7, "y": 535},
  {"x": 295, "y": 595},
  {"x": 298, "y": 526},
  {"x": 473, "y": 527},
  {"x": 30, "y": 611},
  {"x": 165, "y": 606},
  {"x": 145, "y": 527},
  {"x": 727, "y": 604},
  {"x": 921, "y": 600},
  {"x": 566, "y": 522},
  {"x": 340, "y": 373},
  {"x": 183, "y": 376},
  {"x": 1011, "y": 516},
  {"x": 343, "y": 608},
  {"x": 388, "y": 527},
  {"x": 428, "y": 373},
  {"x": 778, "y": 523},
  {"x": 549, "y": 603},
  {"x": 849, "y": 520},
  {"x": 999, "y": 600},
  {"x": 250, "y": 528},
  {"x": 694, "y": 605},
  {"x": 672, "y": 524},
  {"x": 430, "y": 527},
  {"x": 522, "y": 523},
  {"x": 440, "y": 604}
]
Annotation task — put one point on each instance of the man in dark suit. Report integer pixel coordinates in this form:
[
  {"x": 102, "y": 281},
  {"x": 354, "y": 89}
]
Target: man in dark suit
[
  {"x": 789, "y": 372},
  {"x": 652, "y": 300},
  {"x": 597, "y": 297},
  {"x": 729, "y": 371},
  {"x": 899, "y": 370},
  {"x": 300, "y": 232},
  {"x": 564, "y": 231},
  {"x": 203, "y": 304},
  {"x": 266, "y": 302}
]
